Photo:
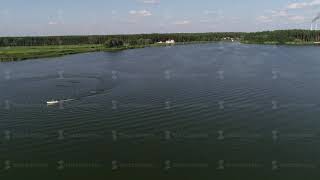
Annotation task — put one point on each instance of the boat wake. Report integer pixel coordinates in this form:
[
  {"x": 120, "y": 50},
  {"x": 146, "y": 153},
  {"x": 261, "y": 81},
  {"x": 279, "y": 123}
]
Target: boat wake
[{"x": 67, "y": 100}]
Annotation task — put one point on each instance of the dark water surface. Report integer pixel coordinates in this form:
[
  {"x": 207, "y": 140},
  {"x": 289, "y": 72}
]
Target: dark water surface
[{"x": 209, "y": 111}]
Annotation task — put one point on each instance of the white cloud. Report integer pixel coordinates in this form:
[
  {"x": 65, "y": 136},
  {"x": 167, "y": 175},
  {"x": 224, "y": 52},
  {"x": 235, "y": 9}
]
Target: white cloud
[
  {"x": 52, "y": 23},
  {"x": 207, "y": 12},
  {"x": 297, "y": 5},
  {"x": 296, "y": 18},
  {"x": 314, "y": 3},
  {"x": 56, "y": 19},
  {"x": 184, "y": 22},
  {"x": 150, "y": 1},
  {"x": 264, "y": 19},
  {"x": 205, "y": 20},
  {"x": 281, "y": 13},
  {"x": 300, "y": 5},
  {"x": 142, "y": 13}
]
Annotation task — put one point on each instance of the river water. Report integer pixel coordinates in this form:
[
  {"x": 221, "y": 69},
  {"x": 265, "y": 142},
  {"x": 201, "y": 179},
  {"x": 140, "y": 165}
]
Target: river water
[{"x": 199, "y": 111}]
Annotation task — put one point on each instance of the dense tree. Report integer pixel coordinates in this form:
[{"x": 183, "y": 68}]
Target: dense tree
[
  {"x": 279, "y": 37},
  {"x": 283, "y": 36},
  {"x": 137, "y": 39},
  {"x": 114, "y": 43}
]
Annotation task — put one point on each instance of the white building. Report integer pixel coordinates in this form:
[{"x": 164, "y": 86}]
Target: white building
[{"x": 170, "y": 41}]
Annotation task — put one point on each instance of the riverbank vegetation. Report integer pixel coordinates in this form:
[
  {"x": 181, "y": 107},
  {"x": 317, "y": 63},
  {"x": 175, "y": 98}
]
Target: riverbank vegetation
[
  {"x": 18, "y": 53},
  {"x": 20, "y": 48},
  {"x": 283, "y": 37}
]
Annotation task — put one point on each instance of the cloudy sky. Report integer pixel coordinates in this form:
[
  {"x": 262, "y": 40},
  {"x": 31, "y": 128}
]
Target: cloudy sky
[{"x": 80, "y": 17}]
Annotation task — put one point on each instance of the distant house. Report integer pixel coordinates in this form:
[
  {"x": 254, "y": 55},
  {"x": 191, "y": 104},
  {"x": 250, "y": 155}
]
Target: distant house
[
  {"x": 170, "y": 41},
  {"x": 229, "y": 39}
]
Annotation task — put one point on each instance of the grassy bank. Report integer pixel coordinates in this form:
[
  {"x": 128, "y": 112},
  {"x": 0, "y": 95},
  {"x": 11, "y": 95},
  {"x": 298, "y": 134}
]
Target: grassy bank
[
  {"x": 19, "y": 53},
  {"x": 32, "y": 52}
]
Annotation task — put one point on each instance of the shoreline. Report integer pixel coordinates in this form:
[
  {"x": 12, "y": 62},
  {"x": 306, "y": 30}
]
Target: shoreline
[{"x": 20, "y": 53}]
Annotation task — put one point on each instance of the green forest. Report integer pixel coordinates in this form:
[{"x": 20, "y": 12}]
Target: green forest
[
  {"x": 282, "y": 37},
  {"x": 20, "y": 48},
  {"x": 136, "y": 39},
  {"x": 276, "y": 37}
]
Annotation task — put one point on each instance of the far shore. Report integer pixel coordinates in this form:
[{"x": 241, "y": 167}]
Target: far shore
[
  {"x": 22, "y": 48},
  {"x": 19, "y": 53}
]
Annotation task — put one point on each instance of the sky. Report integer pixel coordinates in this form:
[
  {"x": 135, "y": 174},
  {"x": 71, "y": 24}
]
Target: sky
[{"x": 88, "y": 17}]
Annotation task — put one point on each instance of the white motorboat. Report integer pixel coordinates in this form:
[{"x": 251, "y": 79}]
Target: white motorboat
[{"x": 53, "y": 102}]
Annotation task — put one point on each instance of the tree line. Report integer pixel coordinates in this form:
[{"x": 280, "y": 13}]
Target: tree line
[
  {"x": 114, "y": 40},
  {"x": 282, "y": 36},
  {"x": 278, "y": 37}
]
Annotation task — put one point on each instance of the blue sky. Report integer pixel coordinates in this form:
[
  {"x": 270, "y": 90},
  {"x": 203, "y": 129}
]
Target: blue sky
[{"x": 81, "y": 17}]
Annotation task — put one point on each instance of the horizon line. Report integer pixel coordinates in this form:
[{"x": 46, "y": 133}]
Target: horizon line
[{"x": 13, "y": 36}]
